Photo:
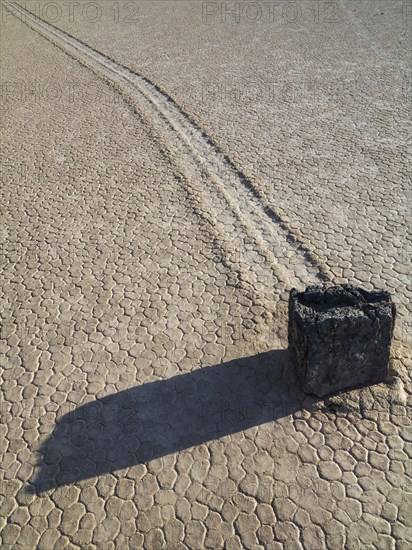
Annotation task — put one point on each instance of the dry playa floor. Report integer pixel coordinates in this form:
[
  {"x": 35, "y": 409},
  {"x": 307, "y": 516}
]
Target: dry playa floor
[{"x": 167, "y": 177}]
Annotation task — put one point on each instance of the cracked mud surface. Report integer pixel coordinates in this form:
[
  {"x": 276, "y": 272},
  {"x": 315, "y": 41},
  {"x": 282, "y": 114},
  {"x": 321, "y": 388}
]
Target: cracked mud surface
[{"x": 150, "y": 241}]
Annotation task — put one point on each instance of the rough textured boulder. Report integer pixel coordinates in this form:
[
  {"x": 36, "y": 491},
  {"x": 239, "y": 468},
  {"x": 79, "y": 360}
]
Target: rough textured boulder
[{"x": 340, "y": 337}]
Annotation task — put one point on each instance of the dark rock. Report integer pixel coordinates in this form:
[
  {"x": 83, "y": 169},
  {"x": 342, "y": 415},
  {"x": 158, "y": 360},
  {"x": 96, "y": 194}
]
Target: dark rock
[{"x": 340, "y": 337}]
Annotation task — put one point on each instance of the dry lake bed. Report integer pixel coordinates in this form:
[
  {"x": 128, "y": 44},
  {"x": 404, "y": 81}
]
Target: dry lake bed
[{"x": 170, "y": 170}]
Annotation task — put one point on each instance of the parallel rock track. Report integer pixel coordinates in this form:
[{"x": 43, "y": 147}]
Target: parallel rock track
[{"x": 256, "y": 238}]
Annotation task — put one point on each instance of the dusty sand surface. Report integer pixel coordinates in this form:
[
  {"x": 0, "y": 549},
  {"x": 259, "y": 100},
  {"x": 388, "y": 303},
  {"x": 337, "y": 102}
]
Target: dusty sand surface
[{"x": 169, "y": 172}]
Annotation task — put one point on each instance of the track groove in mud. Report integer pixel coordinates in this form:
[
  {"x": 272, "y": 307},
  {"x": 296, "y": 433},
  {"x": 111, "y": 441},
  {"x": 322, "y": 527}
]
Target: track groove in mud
[{"x": 260, "y": 240}]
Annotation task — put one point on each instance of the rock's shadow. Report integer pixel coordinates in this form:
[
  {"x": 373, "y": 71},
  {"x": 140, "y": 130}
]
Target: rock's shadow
[{"x": 163, "y": 417}]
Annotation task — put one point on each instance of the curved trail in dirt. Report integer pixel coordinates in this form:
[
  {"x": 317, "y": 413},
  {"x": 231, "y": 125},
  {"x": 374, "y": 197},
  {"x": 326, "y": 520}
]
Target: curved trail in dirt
[{"x": 257, "y": 241}]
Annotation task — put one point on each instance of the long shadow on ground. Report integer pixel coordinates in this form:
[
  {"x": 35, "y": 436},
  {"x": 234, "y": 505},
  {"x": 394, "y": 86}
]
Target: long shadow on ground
[{"x": 163, "y": 417}]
